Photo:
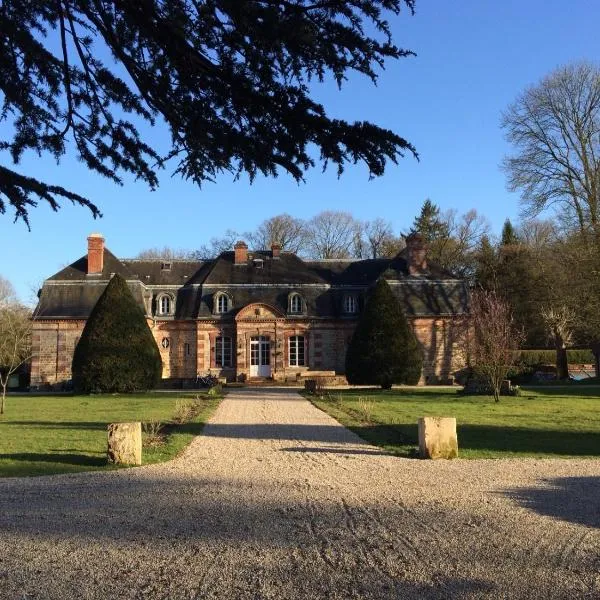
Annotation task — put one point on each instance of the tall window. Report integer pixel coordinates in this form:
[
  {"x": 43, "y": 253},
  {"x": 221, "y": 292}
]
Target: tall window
[
  {"x": 350, "y": 304},
  {"x": 223, "y": 351},
  {"x": 295, "y": 303},
  {"x": 165, "y": 305},
  {"x": 297, "y": 351},
  {"x": 222, "y": 303}
]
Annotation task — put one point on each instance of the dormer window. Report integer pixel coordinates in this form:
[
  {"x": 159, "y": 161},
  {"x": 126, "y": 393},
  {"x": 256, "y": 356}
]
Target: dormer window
[
  {"x": 165, "y": 304},
  {"x": 222, "y": 304},
  {"x": 258, "y": 263},
  {"x": 350, "y": 304},
  {"x": 295, "y": 305},
  {"x": 166, "y": 266}
]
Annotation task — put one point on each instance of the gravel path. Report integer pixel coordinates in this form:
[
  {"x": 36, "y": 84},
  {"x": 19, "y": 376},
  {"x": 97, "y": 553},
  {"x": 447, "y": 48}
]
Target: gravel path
[{"x": 277, "y": 500}]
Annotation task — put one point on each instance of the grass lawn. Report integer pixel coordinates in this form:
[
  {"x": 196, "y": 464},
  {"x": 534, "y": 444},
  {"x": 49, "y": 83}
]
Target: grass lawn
[
  {"x": 41, "y": 435},
  {"x": 542, "y": 422}
]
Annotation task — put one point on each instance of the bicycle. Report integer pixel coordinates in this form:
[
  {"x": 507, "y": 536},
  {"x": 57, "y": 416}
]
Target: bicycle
[{"x": 207, "y": 381}]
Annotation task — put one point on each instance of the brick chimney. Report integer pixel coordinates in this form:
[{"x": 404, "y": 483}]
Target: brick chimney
[
  {"x": 95, "y": 256},
  {"x": 416, "y": 250},
  {"x": 241, "y": 252},
  {"x": 275, "y": 250}
]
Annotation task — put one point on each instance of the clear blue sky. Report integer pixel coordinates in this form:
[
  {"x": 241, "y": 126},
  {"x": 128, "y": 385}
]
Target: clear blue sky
[{"x": 473, "y": 58}]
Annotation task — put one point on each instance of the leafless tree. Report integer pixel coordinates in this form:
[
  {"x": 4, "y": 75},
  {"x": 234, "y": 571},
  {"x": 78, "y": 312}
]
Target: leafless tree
[
  {"x": 555, "y": 127},
  {"x": 378, "y": 234},
  {"x": 7, "y": 292},
  {"x": 217, "y": 245},
  {"x": 164, "y": 253},
  {"x": 287, "y": 231},
  {"x": 559, "y": 322},
  {"x": 15, "y": 341},
  {"x": 456, "y": 251},
  {"x": 495, "y": 340},
  {"x": 331, "y": 234}
]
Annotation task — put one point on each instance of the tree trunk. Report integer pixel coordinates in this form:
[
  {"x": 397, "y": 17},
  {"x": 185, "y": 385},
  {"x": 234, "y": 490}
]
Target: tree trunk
[
  {"x": 4, "y": 384},
  {"x": 496, "y": 388},
  {"x": 562, "y": 361}
]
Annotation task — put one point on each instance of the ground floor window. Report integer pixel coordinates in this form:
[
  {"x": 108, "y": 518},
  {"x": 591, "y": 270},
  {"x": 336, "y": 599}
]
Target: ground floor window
[
  {"x": 223, "y": 351},
  {"x": 297, "y": 351}
]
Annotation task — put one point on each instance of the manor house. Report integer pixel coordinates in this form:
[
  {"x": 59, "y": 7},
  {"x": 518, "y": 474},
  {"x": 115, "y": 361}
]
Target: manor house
[{"x": 251, "y": 314}]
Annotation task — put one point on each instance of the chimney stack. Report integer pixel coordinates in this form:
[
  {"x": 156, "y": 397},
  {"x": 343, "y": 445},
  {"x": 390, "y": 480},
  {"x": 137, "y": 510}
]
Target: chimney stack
[
  {"x": 241, "y": 252},
  {"x": 95, "y": 255},
  {"x": 416, "y": 249},
  {"x": 275, "y": 250}
]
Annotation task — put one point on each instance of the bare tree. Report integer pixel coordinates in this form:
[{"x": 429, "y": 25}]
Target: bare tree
[
  {"x": 456, "y": 250},
  {"x": 378, "y": 234},
  {"x": 7, "y": 292},
  {"x": 287, "y": 231},
  {"x": 217, "y": 245},
  {"x": 164, "y": 253},
  {"x": 495, "y": 340},
  {"x": 331, "y": 234},
  {"x": 555, "y": 127},
  {"x": 559, "y": 322},
  {"x": 15, "y": 341}
]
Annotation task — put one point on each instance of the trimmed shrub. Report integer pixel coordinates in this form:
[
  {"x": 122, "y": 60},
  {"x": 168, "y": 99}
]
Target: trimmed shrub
[
  {"x": 383, "y": 349},
  {"x": 116, "y": 352},
  {"x": 548, "y": 357}
]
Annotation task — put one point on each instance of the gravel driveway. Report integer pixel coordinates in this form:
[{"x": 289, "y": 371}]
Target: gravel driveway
[{"x": 277, "y": 500}]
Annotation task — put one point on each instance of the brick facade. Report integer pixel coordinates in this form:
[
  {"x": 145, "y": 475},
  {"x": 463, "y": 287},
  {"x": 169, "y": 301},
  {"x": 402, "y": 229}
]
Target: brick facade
[{"x": 258, "y": 323}]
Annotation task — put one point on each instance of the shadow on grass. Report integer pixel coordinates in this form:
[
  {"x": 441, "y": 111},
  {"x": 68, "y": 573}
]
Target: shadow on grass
[
  {"x": 59, "y": 424},
  {"x": 487, "y": 438},
  {"x": 573, "y": 499},
  {"x": 58, "y": 458}
]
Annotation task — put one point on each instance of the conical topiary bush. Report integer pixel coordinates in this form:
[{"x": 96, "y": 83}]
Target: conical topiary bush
[
  {"x": 116, "y": 351},
  {"x": 383, "y": 349}
]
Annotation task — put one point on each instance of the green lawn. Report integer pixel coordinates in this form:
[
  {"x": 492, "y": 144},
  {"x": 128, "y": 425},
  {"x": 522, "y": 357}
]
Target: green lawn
[
  {"x": 41, "y": 435},
  {"x": 542, "y": 422}
]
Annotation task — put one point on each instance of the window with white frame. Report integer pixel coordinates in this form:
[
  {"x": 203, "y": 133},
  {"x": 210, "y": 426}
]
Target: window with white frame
[
  {"x": 165, "y": 305},
  {"x": 223, "y": 351},
  {"x": 350, "y": 304},
  {"x": 295, "y": 303},
  {"x": 222, "y": 303},
  {"x": 297, "y": 351}
]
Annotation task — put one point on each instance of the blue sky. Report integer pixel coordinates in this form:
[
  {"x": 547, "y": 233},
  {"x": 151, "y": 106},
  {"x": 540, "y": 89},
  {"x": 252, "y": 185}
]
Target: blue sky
[{"x": 473, "y": 59}]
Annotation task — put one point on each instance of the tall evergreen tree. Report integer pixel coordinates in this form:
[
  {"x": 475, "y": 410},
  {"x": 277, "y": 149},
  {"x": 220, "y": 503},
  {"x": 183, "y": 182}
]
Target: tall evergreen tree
[
  {"x": 384, "y": 349},
  {"x": 429, "y": 222},
  {"x": 509, "y": 236},
  {"x": 486, "y": 265},
  {"x": 116, "y": 351}
]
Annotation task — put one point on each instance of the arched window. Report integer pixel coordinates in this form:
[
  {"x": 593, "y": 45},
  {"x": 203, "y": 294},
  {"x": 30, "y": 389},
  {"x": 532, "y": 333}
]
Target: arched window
[
  {"x": 295, "y": 304},
  {"x": 165, "y": 304},
  {"x": 222, "y": 303},
  {"x": 350, "y": 304}
]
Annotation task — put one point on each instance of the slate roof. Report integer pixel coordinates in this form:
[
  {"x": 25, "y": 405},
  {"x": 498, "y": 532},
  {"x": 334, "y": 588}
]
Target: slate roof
[{"x": 71, "y": 293}]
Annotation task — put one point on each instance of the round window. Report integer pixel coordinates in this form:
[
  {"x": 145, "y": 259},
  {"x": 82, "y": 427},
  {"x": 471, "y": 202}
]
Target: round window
[{"x": 165, "y": 343}]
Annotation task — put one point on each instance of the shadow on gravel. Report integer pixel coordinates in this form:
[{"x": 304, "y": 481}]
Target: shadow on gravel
[
  {"x": 61, "y": 458},
  {"x": 572, "y": 499},
  {"x": 341, "y": 450}
]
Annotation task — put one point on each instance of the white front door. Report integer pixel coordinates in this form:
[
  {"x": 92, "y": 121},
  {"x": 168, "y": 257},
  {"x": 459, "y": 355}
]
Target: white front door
[{"x": 260, "y": 356}]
